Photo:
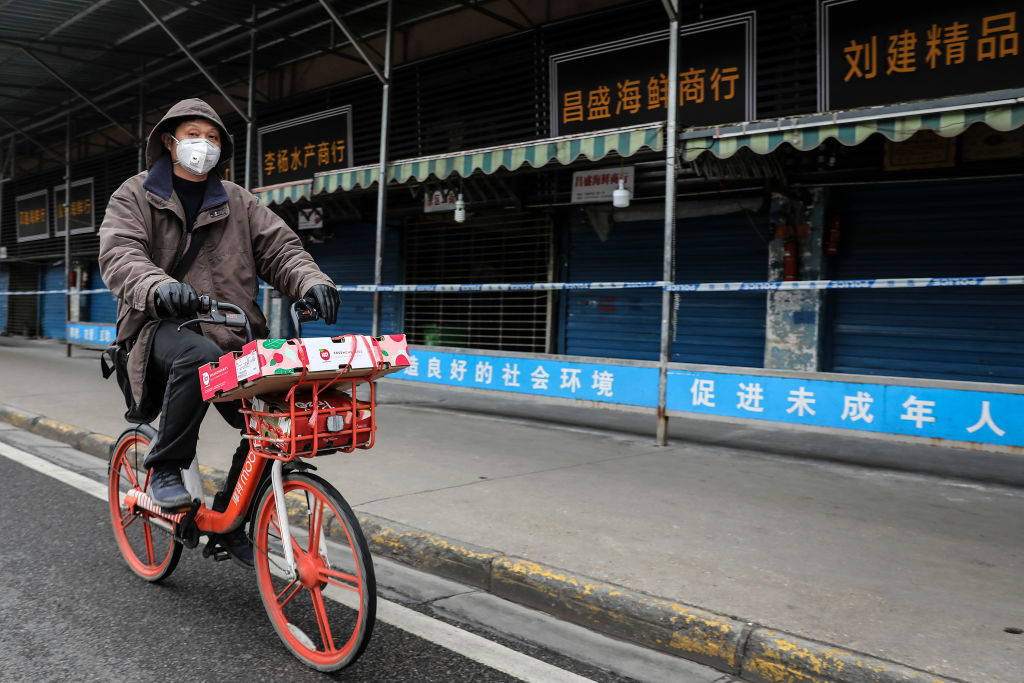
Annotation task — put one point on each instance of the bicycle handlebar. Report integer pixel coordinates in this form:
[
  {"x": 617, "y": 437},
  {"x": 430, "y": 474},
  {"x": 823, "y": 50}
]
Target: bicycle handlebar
[
  {"x": 212, "y": 308},
  {"x": 236, "y": 316}
]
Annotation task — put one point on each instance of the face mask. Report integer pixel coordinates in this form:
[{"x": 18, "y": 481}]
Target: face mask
[{"x": 197, "y": 156}]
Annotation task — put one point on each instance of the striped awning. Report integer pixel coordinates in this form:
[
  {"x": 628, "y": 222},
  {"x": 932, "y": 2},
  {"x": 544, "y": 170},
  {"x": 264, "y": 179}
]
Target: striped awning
[
  {"x": 564, "y": 150},
  {"x": 849, "y": 128},
  {"x": 278, "y": 194}
]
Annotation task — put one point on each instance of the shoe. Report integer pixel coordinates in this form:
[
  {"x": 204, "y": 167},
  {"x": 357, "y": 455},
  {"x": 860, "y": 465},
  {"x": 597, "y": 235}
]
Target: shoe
[
  {"x": 238, "y": 546},
  {"x": 167, "y": 490}
]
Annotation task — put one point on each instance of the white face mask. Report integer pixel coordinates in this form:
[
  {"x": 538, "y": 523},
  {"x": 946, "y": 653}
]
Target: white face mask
[{"x": 198, "y": 156}]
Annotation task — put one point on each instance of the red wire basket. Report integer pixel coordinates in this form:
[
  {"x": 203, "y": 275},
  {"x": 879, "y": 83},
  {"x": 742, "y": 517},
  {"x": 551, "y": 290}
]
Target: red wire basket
[{"x": 312, "y": 418}]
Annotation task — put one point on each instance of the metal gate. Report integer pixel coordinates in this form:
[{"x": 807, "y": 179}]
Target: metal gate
[{"x": 511, "y": 247}]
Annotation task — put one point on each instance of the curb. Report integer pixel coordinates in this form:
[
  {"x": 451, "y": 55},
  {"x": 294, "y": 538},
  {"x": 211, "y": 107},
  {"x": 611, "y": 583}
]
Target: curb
[{"x": 750, "y": 651}]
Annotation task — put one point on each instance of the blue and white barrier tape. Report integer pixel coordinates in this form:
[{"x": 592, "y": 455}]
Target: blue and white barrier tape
[
  {"x": 503, "y": 287},
  {"x": 876, "y": 283},
  {"x": 786, "y": 286}
]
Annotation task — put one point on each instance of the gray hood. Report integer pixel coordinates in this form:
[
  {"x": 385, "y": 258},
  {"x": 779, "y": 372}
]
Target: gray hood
[{"x": 192, "y": 108}]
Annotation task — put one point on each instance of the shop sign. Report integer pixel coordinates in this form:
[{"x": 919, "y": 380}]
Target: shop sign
[
  {"x": 82, "y": 215},
  {"x": 32, "y": 220},
  {"x": 874, "y": 52},
  {"x": 91, "y": 333},
  {"x": 296, "y": 149},
  {"x": 310, "y": 219},
  {"x": 439, "y": 200},
  {"x": 597, "y": 185},
  {"x": 623, "y": 83}
]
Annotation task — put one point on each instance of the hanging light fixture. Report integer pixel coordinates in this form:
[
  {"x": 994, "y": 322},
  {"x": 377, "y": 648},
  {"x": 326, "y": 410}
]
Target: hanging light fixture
[
  {"x": 460, "y": 209},
  {"x": 621, "y": 196}
]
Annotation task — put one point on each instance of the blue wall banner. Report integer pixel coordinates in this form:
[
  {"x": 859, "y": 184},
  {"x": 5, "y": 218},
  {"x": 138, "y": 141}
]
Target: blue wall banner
[
  {"x": 91, "y": 333},
  {"x": 953, "y": 414},
  {"x": 601, "y": 382}
]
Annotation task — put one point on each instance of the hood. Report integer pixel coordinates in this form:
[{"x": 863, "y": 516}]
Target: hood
[{"x": 192, "y": 107}]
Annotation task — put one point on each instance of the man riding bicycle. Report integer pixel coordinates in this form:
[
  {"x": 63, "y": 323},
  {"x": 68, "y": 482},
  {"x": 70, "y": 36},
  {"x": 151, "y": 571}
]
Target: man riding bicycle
[{"x": 169, "y": 235}]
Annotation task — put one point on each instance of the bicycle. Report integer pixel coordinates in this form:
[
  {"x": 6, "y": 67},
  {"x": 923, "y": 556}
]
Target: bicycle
[{"x": 306, "y": 540}]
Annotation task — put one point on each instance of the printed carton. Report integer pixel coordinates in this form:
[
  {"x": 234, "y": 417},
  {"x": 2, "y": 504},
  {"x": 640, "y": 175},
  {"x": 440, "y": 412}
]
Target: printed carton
[{"x": 274, "y": 365}]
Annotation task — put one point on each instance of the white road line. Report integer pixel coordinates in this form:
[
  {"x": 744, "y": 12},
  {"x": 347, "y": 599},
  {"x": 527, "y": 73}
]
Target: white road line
[{"x": 469, "y": 645}]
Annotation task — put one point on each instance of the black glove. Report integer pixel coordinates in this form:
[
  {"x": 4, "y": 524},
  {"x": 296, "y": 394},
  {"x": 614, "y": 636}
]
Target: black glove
[
  {"x": 176, "y": 300},
  {"x": 325, "y": 300}
]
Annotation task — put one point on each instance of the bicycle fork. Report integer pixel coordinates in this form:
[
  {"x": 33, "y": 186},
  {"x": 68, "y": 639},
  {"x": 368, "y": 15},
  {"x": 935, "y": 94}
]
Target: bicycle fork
[{"x": 277, "y": 481}]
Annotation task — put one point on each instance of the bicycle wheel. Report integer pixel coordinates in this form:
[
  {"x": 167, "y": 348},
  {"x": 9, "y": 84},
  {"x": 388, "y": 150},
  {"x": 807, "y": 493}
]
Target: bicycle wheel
[
  {"x": 332, "y": 561},
  {"x": 144, "y": 539}
]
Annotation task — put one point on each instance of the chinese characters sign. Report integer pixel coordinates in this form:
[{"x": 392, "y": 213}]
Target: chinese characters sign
[
  {"x": 875, "y": 52},
  {"x": 91, "y": 333},
  {"x": 33, "y": 222},
  {"x": 82, "y": 216},
  {"x": 985, "y": 417},
  {"x": 597, "y": 185},
  {"x": 951, "y": 414},
  {"x": 605, "y": 383},
  {"x": 294, "y": 150},
  {"x": 624, "y": 83}
]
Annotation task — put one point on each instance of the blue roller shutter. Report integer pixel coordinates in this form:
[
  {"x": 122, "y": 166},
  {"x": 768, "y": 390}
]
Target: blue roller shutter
[
  {"x": 718, "y": 329},
  {"x": 348, "y": 260},
  {"x": 102, "y": 308},
  {"x": 53, "y": 313},
  {"x": 961, "y": 228}
]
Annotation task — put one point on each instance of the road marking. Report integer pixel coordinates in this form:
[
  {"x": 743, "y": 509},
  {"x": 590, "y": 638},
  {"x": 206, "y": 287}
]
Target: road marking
[{"x": 469, "y": 645}]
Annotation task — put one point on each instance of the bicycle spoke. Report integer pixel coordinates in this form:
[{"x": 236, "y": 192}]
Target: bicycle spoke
[
  {"x": 321, "y": 617},
  {"x": 295, "y": 591},
  {"x": 341, "y": 580},
  {"x": 128, "y": 519},
  {"x": 147, "y": 533},
  {"x": 315, "y": 524}
]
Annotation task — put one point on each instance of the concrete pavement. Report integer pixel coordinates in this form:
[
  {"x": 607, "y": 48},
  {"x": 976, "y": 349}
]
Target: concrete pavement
[{"x": 720, "y": 548}]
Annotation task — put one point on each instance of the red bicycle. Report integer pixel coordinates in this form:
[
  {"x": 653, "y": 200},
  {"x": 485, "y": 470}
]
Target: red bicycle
[{"x": 307, "y": 542}]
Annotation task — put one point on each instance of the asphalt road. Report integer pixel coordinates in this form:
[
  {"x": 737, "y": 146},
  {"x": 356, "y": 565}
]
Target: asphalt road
[{"x": 72, "y": 610}]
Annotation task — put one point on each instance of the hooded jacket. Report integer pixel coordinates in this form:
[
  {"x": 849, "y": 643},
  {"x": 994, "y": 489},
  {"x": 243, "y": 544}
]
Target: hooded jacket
[{"x": 143, "y": 237}]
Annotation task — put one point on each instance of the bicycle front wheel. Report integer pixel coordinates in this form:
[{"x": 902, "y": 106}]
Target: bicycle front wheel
[
  {"x": 325, "y": 614},
  {"x": 145, "y": 540}
]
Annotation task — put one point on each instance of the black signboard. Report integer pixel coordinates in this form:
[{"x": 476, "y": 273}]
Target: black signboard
[
  {"x": 82, "y": 216},
  {"x": 294, "y": 150},
  {"x": 31, "y": 210},
  {"x": 874, "y": 52},
  {"x": 624, "y": 83}
]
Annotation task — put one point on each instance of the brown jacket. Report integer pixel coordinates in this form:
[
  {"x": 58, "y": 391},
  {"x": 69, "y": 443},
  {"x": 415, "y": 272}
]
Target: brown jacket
[{"x": 143, "y": 238}]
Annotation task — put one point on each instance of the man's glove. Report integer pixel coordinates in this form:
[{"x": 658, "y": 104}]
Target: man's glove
[
  {"x": 325, "y": 300},
  {"x": 176, "y": 300}
]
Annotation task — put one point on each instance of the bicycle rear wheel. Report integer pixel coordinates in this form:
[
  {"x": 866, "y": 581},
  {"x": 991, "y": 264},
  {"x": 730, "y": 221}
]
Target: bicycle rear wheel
[
  {"x": 146, "y": 544},
  {"x": 332, "y": 561}
]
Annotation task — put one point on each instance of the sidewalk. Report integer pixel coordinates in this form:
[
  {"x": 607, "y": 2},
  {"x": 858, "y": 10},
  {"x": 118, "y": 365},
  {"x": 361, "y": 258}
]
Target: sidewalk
[{"x": 720, "y": 548}]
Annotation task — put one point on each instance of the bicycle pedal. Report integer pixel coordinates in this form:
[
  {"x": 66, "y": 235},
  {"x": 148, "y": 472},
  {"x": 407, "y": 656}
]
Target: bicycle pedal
[{"x": 214, "y": 549}]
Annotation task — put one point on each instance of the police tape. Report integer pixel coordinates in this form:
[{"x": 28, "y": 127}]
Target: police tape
[{"x": 782, "y": 286}]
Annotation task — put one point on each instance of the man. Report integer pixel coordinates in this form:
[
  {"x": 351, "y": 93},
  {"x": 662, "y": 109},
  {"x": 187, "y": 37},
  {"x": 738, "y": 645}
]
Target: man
[{"x": 170, "y": 235}]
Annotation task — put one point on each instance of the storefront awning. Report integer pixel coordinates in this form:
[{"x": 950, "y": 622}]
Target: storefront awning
[
  {"x": 849, "y": 128},
  {"x": 564, "y": 150},
  {"x": 278, "y": 194}
]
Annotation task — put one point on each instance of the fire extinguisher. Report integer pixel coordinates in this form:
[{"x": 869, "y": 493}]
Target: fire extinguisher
[
  {"x": 790, "y": 265},
  {"x": 832, "y": 243}
]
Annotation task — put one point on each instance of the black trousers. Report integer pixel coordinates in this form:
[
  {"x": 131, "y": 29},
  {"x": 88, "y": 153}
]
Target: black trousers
[{"x": 174, "y": 361}]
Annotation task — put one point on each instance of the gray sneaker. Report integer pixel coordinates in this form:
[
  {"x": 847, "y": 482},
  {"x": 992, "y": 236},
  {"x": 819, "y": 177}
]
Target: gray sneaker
[{"x": 167, "y": 490}]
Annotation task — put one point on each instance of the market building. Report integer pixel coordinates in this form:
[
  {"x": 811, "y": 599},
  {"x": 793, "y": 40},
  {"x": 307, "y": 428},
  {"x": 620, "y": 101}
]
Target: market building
[{"x": 869, "y": 154}]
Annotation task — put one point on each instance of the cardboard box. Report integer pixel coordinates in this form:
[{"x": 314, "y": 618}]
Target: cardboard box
[
  {"x": 219, "y": 377},
  {"x": 274, "y": 365}
]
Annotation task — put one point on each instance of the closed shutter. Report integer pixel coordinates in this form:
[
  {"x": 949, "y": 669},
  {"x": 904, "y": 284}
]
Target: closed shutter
[
  {"x": 23, "y": 311},
  {"x": 102, "y": 308},
  {"x": 499, "y": 248},
  {"x": 711, "y": 328},
  {"x": 54, "y": 305},
  {"x": 348, "y": 260},
  {"x": 3, "y": 299},
  {"x": 962, "y": 228}
]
